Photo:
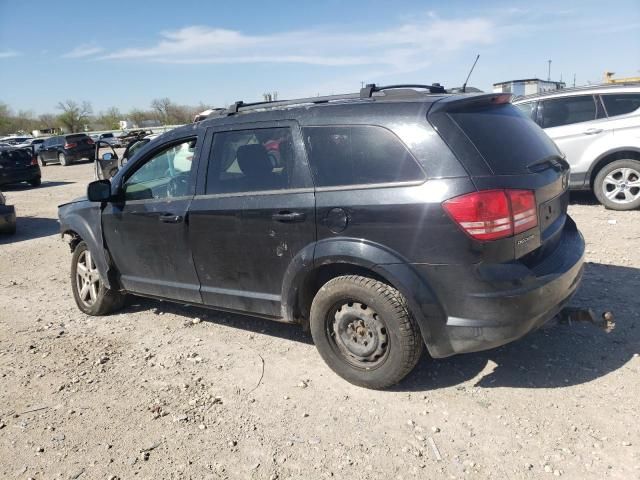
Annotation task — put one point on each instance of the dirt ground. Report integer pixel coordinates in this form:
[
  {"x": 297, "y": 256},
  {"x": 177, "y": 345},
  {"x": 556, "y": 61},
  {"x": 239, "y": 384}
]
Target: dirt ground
[{"x": 164, "y": 391}]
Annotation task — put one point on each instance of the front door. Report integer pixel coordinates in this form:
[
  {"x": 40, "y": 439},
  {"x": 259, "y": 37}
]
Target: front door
[
  {"x": 252, "y": 217},
  {"x": 147, "y": 231}
]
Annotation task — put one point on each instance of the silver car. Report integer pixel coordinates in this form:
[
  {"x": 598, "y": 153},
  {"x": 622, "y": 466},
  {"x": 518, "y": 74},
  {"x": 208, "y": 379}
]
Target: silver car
[{"x": 598, "y": 129}]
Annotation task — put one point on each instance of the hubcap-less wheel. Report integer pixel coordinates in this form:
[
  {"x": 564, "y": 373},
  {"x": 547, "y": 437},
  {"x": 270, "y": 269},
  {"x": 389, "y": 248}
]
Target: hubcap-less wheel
[
  {"x": 359, "y": 334},
  {"x": 622, "y": 185},
  {"x": 87, "y": 279},
  {"x": 62, "y": 159}
]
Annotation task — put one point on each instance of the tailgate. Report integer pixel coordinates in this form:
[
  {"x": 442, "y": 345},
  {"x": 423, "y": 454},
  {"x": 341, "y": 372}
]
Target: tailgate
[
  {"x": 503, "y": 149},
  {"x": 18, "y": 159}
]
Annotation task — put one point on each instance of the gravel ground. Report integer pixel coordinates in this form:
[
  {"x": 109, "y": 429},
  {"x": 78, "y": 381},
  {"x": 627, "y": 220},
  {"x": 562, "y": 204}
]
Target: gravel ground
[{"x": 165, "y": 391}]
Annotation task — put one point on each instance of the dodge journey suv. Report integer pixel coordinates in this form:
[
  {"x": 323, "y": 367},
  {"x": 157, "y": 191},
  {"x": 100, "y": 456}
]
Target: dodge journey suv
[
  {"x": 598, "y": 129},
  {"x": 383, "y": 221}
]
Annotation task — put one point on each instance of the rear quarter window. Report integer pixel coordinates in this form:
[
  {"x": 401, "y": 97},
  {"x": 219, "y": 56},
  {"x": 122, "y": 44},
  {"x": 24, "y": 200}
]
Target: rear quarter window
[
  {"x": 621, "y": 103},
  {"x": 358, "y": 155}
]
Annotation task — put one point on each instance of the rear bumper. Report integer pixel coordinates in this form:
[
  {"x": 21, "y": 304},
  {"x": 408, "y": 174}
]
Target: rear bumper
[
  {"x": 76, "y": 155},
  {"x": 489, "y": 306},
  {"x": 8, "y": 176},
  {"x": 7, "y": 218}
]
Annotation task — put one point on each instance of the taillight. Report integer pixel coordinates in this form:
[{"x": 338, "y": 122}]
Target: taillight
[
  {"x": 523, "y": 209},
  {"x": 90, "y": 142},
  {"x": 34, "y": 160},
  {"x": 70, "y": 145},
  {"x": 494, "y": 214}
]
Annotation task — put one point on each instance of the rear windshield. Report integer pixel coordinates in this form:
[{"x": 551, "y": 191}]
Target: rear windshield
[
  {"x": 20, "y": 154},
  {"x": 76, "y": 137},
  {"x": 507, "y": 139}
]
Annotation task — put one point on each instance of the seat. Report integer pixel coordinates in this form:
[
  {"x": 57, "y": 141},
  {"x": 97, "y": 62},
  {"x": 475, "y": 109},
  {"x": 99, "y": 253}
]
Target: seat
[{"x": 256, "y": 167}]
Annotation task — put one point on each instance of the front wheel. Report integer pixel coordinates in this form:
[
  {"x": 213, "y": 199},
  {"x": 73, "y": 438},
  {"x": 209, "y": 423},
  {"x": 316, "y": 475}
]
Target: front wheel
[
  {"x": 617, "y": 185},
  {"x": 364, "y": 331},
  {"x": 62, "y": 158},
  {"x": 89, "y": 292}
]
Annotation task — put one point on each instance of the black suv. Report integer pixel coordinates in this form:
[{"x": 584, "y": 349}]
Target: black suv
[
  {"x": 66, "y": 149},
  {"x": 19, "y": 165},
  {"x": 382, "y": 221}
]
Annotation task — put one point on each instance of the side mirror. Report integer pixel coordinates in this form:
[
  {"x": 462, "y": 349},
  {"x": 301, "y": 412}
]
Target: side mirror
[
  {"x": 109, "y": 156},
  {"x": 99, "y": 191}
]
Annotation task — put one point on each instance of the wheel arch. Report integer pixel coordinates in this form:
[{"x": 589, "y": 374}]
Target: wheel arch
[
  {"x": 77, "y": 228},
  {"x": 336, "y": 257},
  {"x": 622, "y": 153}
]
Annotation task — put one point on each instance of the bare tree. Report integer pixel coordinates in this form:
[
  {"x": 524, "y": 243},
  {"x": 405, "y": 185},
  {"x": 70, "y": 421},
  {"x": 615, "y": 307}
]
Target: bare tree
[
  {"x": 162, "y": 108},
  {"x": 109, "y": 119},
  {"x": 74, "y": 116}
]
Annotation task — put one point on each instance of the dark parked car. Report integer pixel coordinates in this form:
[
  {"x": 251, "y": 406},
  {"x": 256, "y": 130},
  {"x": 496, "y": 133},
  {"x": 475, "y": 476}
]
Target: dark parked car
[
  {"x": 66, "y": 149},
  {"x": 19, "y": 165},
  {"x": 7, "y": 216},
  {"x": 383, "y": 221}
]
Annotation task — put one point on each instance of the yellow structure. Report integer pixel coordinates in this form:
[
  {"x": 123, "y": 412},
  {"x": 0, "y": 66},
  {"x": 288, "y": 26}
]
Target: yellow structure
[{"x": 608, "y": 78}]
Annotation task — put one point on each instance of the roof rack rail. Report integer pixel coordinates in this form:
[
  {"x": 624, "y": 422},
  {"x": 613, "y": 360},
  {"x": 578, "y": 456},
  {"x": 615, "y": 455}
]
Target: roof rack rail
[
  {"x": 240, "y": 106},
  {"x": 368, "y": 90}
]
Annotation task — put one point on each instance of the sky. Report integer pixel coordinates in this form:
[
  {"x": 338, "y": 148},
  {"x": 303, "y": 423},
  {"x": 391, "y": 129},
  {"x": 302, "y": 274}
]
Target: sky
[{"x": 128, "y": 53}]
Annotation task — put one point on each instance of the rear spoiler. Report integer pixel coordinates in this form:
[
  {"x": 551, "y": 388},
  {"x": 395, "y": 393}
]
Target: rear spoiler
[{"x": 460, "y": 102}]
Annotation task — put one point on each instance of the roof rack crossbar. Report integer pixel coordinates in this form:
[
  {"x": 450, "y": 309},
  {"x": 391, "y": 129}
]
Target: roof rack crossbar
[
  {"x": 240, "y": 106},
  {"x": 368, "y": 90}
]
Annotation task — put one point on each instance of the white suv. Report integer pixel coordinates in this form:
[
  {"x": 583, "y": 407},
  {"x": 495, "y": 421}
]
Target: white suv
[{"x": 598, "y": 129}]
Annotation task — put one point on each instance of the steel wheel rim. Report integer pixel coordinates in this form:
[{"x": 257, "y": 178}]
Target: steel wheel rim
[
  {"x": 358, "y": 334},
  {"x": 87, "y": 279},
  {"x": 622, "y": 185}
]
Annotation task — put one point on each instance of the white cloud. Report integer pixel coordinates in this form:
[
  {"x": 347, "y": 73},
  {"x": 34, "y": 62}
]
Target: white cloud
[
  {"x": 406, "y": 47},
  {"x": 8, "y": 53},
  {"x": 82, "y": 51}
]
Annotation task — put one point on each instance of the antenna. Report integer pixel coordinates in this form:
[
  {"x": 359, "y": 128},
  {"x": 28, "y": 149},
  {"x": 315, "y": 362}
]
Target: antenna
[{"x": 464, "y": 85}]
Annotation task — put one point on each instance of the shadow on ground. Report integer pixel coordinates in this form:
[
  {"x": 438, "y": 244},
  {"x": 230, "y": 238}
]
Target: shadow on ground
[
  {"x": 555, "y": 356},
  {"x": 18, "y": 187},
  {"x": 29, "y": 228},
  {"x": 583, "y": 197}
]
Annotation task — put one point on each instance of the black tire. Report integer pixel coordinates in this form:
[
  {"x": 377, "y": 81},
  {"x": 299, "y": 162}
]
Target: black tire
[
  {"x": 62, "y": 158},
  {"x": 397, "y": 338},
  {"x": 622, "y": 196},
  {"x": 106, "y": 300},
  {"x": 9, "y": 229},
  {"x": 35, "y": 182},
  {"x": 41, "y": 162}
]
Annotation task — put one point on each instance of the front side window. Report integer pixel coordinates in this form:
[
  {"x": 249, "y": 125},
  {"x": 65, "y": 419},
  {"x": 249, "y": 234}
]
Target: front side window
[
  {"x": 568, "y": 110},
  {"x": 165, "y": 175},
  {"x": 358, "y": 155},
  {"x": 621, "y": 103},
  {"x": 251, "y": 160}
]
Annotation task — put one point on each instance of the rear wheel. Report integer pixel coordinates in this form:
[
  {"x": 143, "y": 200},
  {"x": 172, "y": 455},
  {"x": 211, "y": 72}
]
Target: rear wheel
[
  {"x": 89, "y": 292},
  {"x": 35, "y": 182},
  {"x": 62, "y": 158},
  {"x": 364, "y": 331},
  {"x": 617, "y": 185},
  {"x": 41, "y": 162}
]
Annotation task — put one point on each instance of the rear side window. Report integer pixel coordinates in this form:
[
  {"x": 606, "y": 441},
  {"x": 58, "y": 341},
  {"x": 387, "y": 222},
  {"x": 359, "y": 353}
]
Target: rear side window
[
  {"x": 621, "y": 103},
  {"x": 506, "y": 139},
  {"x": 358, "y": 155},
  {"x": 565, "y": 111},
  {"x": 251, "y": 160}
]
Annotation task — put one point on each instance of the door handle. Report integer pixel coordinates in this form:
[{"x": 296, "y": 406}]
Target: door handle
[
  {"x": 289, "y": 217},
  {"x": 170, "y": 218},
  {"x": 592, "y": 131}
]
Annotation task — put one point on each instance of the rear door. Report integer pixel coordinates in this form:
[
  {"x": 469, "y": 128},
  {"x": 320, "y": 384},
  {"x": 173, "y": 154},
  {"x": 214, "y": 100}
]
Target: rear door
[{"x": 252, "y": 215}]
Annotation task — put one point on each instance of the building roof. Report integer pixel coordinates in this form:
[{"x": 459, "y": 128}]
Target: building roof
[{"x": 526, "y": 80}]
